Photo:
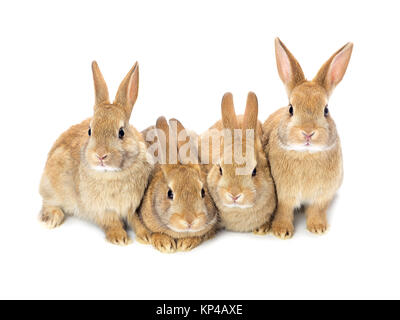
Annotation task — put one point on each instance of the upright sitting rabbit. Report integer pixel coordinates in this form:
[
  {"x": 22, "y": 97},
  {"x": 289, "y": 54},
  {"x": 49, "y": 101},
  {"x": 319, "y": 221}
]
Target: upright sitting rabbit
[
  {"x": 302, "y": 143},
  {"x": 242, "y": 188},
  {"x": 177, "y": 213},
  {"x": 98, "y": 169}
]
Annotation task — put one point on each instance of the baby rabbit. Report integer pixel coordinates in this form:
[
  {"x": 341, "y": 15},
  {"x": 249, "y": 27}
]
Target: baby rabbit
[
  {"x": 242, "y": 190},
  {"x": 98, "y": 169},
  {"x": 177, "y": 213},
  {"x": 302, "y": 144}
]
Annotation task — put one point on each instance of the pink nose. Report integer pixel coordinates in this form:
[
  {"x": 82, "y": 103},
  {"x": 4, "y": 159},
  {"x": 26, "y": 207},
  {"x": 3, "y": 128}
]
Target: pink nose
[
  {"x": 235, "y": 198},
  {"x": 103, "y": 157},
  {"x": 308, "y": 136}
]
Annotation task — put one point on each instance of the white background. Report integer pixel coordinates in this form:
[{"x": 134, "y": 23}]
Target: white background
[{"x": 190, "y": 54}]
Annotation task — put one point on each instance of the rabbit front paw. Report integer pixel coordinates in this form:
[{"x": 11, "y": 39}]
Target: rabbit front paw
[
  {"x": 317, "y": 227},
  {"x": 163, "y": 243},
  {"x": 117, "y": 236},
  {"x": 144, "y": 238},
  {"x": 263, "y": 230},
  {"x": 187, "y": 244},
  {"x": 283, "y": 230},
  {"x": 51, "y": 217}
]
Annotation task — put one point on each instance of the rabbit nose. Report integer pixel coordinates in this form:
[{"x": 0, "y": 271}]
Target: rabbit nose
[
  {"x": 236, "y": 197},
  {"x": 308, "y": 136},
  {"x": 186, "y": 224},
  {"x": 190, "y": 221},
  {"x": 102, "y": 157}
]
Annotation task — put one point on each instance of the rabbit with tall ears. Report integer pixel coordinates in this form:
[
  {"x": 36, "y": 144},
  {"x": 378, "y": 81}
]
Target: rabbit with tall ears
[
  {"x": 302, "y": 143},
  {"x": 98, "y": 170},
  {"x": 241, "y": 186},
  {"x": 177, "y": 213}
]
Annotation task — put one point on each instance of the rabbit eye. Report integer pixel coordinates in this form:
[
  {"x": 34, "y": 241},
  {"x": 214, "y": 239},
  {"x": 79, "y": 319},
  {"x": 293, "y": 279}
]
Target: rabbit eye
[
  {"x": 203, "y": 193},
  {"x": 290, "y": 110},
  {"x": 254, "y": 172},
  {"x": 326, "y": 111},
  {"x": 220, "y": 171},
  {"x": 170, "y": 194},
  {"x": 121, "y": 133},
  {"x": 90, "y": 132}
]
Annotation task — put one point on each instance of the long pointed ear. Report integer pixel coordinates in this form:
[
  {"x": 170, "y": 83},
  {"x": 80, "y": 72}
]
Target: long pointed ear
[
  {"x": 187, "y": 145},
  {"x": 100, "y": 86},
  {"x": 162, "y": 127},
  {"x": 229, "y": 119},
  {"x": 289, "y": 69},
  {"x": 128, "y": 90},
  {"x": 180, "y": 128},
  {"x": 332, "y": 72},
  {"x": 251, "y": 113}
]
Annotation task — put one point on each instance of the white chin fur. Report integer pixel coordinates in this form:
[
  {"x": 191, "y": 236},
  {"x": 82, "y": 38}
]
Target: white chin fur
[
  {"x": 304, "y": 148},
  {"x": 239, "y": 206},
  {"x": 105, "y": 169}
]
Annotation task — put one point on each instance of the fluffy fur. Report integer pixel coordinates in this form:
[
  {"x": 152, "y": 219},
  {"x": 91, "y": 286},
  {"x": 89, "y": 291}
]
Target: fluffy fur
[
  {"x": 102, "y": 176},
  {"x": 185, "y": 221},
  {"x": 245, "y": 202},
  {"x": 303, "y": 147}
]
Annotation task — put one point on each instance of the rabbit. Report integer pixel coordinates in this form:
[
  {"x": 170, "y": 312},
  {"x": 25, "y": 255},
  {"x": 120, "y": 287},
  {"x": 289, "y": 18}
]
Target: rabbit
[
  {"x": 177, "y": 212},
  {"x": 245, "y": 201},
  {"x": 302, "y": 143},
  {"x": 98, "y": 170}
]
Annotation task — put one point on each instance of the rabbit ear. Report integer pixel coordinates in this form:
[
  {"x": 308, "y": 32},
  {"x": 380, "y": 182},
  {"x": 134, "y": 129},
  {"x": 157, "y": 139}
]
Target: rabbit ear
[
  {"x": 100, "y": 86},
  {"x": 229, "y": 119},
  {"x": 332, "y": 72},
  {"x": 163, "y": 140},
  {"x": 180, "y": 128},
  {"x": 289, "y": 69},
  {"x": 187, "y": 145},
  {"x": 251, "y": 113},
  {"x": 128, "y": 90}
]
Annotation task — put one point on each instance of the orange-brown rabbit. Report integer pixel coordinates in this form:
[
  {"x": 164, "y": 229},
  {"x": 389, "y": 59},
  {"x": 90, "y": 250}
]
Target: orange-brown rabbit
[
  {"x": 302, "y": 144},
  {"x": 177, "y": 212},
  {"x": 241, "y": 186},
  {"x": 98, "y": 170}
]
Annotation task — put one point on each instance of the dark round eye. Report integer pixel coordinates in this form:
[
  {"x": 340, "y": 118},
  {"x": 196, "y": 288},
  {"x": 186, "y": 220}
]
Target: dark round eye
[
  {"x": 220, "y": 171},
  {"x": 89, "y": 132},
  {"x": 170, "y": 194},
  {"x": 203, "y": 193},
  {"x": 326, "y": 111},
  {"x": 290, "y": 109},
  {"x": 121, "y": 133},
  {"x": 254, "y": 172}
]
